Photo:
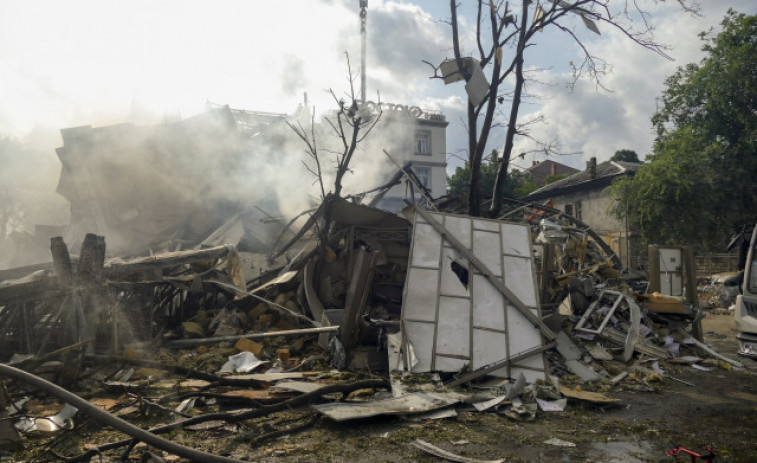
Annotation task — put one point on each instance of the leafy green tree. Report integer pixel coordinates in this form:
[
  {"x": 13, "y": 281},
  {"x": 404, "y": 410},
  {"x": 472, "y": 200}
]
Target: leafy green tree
[
  {"x": 523, "y": 184},
  {"x": 625, "y": 156},
  {"x": 553, "y": 178},
  {"x": 700, "y": 183},
  {"x": 459, "y": 183}
]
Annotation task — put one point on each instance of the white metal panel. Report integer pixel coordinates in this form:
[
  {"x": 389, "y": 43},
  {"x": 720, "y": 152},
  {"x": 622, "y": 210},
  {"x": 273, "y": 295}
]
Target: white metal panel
[
  {"x": 451, "y": 284},
  {"x": 516, "y": 240},
  {"x": 448, "y": 342},
  {"x": 519, "y": 279},
  {"x": 426, "y": 250},
  {"x": 487, "y": 225},
  {"x": 453, "y": 327},
  {"x": 488, "y": 347},
  {"x": 486, "y": 247},
  {"x": 488, "y": 311},
  {"x": 671, "y": 271},
  {"x": 522, "y": 336},
  {"x": 459, "y": 227},
  {"x": 421, "y": 336},
  {"x": 420, "y": 298},
  {"x": 450, "y": 363}
]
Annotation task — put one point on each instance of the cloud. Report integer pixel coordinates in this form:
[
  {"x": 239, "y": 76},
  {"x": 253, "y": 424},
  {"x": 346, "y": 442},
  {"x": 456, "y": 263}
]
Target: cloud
[
  {"x": 401, "y": 36},
  {"x": 95, "y": 62},
  {"x": 69, "y": 64},
  {"x": 597, "y": 122},
  {"x": 292, "y": 76}
]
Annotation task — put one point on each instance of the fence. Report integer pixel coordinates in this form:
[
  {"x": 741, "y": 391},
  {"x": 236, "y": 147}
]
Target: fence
[
  {"x": 713, "y": 263},
  {"x": 707, "y": 264}
]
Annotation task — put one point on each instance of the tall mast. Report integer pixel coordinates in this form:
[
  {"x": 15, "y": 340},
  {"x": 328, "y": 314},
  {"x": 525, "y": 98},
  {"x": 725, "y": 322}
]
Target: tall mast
[{"x": 363, "y": 16}]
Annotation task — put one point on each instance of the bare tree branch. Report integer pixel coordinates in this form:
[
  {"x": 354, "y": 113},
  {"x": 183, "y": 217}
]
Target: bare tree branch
[{"x": 493, "y": 39}]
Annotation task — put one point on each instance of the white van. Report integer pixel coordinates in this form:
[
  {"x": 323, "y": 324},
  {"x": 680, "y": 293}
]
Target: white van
[{"x": 745, "y": 316}]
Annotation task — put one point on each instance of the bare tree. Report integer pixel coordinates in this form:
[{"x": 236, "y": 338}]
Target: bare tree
[
  {"x": 498, "y": 28},
  {"x": 351, "y": 123}
]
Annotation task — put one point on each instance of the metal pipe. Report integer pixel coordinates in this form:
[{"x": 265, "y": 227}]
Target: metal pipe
[
  {"x": 115, "y": 422},
  {"x": 181, "y": 343},
  {"x": 363, "y": 18}
]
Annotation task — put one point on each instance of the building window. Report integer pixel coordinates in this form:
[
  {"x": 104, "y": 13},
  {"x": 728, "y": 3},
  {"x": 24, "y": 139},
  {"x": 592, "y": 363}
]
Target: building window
[
  {"x": 424, "y": 175},
  {"x": 569, "y": 209},
  {"x": 579, "y": 214},
  {"x": 423, "y": 142}
]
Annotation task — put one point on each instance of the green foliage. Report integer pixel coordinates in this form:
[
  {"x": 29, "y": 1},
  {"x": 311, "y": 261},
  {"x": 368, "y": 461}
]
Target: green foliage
[
  {"x": 625, "y": 156},
  {"x": 458, "y": 183},
  {"x": 553, "y": 178},
  {"x": 700, "y": 184},
  {"x": 524, "y": 185}
]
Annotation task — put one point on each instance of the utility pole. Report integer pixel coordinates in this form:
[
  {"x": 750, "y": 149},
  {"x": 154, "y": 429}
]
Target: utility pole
[{"x": 363, "y": 16}]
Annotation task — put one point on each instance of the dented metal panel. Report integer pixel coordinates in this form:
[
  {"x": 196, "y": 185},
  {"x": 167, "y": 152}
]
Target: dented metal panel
[{"x": 452, "y": 315}]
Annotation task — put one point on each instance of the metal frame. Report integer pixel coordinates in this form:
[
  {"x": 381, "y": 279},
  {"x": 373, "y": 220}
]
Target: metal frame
[
  {"x": 451, "y": 327},
  {"x": 590, "y": 310}
]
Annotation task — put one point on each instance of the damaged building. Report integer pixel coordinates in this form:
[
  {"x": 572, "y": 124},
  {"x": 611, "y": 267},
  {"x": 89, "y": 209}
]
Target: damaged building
[
  {"x": 187, "y": 310},
  {"x": 584, "y": 196},
  {"x": 158, "y": 187}
]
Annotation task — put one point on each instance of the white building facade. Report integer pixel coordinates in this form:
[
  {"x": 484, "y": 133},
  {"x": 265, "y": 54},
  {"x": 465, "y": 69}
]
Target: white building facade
[{"x": 414, "y": 135}]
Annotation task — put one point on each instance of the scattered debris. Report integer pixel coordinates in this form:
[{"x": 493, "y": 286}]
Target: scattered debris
[
  {"x": 417, "y": 402},
  {"x": 437, "y": 452},
  {"x": 559, "y": 443},
  {"x": 463, "y": 314},
  {"x": 587, "y": 396}
]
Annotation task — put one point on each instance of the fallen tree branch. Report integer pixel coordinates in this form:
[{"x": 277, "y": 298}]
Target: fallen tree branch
[
  {"x": 107, "y": 419},
  {"x": 284, "y": 431}
]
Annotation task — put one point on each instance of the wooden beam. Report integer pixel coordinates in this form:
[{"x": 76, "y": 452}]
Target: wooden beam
[
  {"x": 483, "y": 371},
  {"x": 170, "y": 259},
  {"x": 62, "y": 267},
  {"x": 653, "y": 265},
  {"x": 690, "y": 273},
  {"x": 357, "y": 295},
  {"x": 29, "y": 289},
  {"x": 92, "y": 256}
]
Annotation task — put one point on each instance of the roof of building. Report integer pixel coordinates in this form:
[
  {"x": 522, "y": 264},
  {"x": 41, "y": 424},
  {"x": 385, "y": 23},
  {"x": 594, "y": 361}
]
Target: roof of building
[
  {"x": 606, "y": 172},
  {"x": 539, "y": 171}
]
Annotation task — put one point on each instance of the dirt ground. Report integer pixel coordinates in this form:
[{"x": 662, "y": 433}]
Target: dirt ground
[
  {"x": 718, "y": 410},
  {"x": 715, "y": 409}
]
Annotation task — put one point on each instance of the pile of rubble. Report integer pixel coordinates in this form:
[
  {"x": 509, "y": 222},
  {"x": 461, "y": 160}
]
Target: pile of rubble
[
  {"x": 420, "y": 315},
  {"x": 719, "y": 291}
]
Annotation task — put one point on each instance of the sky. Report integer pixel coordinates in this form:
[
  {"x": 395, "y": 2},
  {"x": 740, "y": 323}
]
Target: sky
[{"x": 101, "y": 62}]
